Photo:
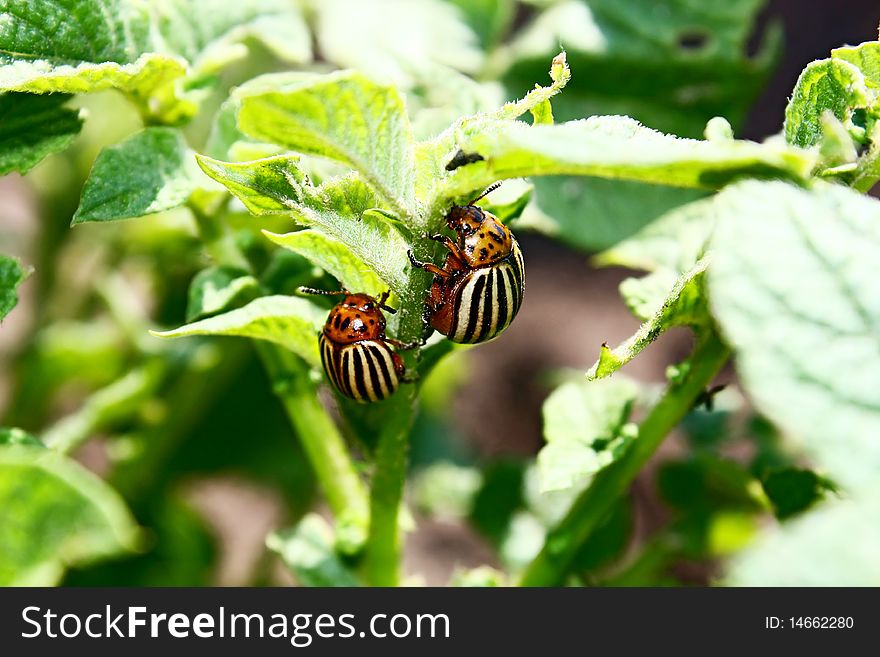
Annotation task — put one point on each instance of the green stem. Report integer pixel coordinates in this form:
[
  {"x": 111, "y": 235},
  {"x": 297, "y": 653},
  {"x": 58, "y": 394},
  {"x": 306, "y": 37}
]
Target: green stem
[
  {"x": 386, "y": 495},
  {"x": 384, "y": 547},
  {"x": 115, "y": 402},
  {"x": 323, "y": 444},
  {"x": 590, "y": 508}
]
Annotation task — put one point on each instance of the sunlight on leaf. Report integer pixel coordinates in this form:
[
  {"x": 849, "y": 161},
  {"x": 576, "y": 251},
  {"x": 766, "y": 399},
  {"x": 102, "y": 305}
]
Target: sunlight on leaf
[
  {"x": 793, "y": 287},
  {"x": 585, "y": 426},
  {"x": 149, "y": 172},
  {"x": 292, "y": 322}
]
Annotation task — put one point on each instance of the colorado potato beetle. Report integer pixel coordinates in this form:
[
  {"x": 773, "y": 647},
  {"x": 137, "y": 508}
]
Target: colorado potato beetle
[
  {"x": 355, "y": 352},
  {"x": 479, "y": 289}
]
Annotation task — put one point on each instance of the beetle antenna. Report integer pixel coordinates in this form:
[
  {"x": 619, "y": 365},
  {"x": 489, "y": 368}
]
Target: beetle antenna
[
  {"x": 381, "y": 302},
  {"x": 311, "y": 290},
  {"x": 491, "y": 188}
]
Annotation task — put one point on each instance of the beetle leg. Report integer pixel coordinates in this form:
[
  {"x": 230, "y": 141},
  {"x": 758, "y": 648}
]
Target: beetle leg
[
  {"x": 427, "y": 266},
  {"x": 454, "y": 249}
]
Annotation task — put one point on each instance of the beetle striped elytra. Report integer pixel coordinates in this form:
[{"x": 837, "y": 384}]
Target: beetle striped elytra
[
  {"x": 355, "y": 352},
  {"x": 479, "y": 289}
]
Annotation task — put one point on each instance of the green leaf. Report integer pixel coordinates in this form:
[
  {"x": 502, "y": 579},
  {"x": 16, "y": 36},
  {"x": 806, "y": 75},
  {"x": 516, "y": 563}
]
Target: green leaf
[
  {"x": 585, "y": 426},
  {"x": 14, "y": 436},
  {"x": 210, "y": 33},
  {"x": 81, "y": 46},
  {"x": 683, "y": 305},
  {"x": 673, "y": 242},
  {"x": 616, "y": 147},
  {"x": 865, "y": 57},
  {"x": 793, "y": 490},
  {"x": 149, "y": 172},
  {"x": 32, "y": 127},
  {"x": 333, "y": 257},
  {"x": 595, "y": 213},
  {"x": 392, "y": 40},
  {"x": 793, "y": 287},
  {"x": 829, "y": 85},
  {"x": 834, "y": 545},
  {"x": 11, "y": 276},
  {"x": 271, "y": 185},
  {"x": 672, "y": 69},
  {"x": 307, "y": 550},
  {"x": 289, "y": 321},
  {"x": 342, "y": 116},
  {"x": 340, "y": 209},
  {"x": 55, "y": 514},
  {"x": 216, "y": 289}
]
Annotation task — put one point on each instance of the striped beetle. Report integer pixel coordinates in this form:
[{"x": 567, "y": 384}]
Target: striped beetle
[
  {"x": 355, "y": 351},
  {"x": 479, "y": 289}
]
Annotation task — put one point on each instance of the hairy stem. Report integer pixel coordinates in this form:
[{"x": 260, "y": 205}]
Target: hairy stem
[
  {"x": 386, "y": 495},
  {"x": 590, "y": 508},
  {"x": 323, "y": 444},
  {"x": 385, "y": 544}
]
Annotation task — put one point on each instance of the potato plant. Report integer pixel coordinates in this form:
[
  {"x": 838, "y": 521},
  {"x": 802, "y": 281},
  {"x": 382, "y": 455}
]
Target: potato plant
[{"x": 259, "y": 146}]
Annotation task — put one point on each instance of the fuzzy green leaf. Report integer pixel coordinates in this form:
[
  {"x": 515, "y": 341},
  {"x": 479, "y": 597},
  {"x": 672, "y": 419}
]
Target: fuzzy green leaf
[
  {"x": 54, "y": 514},
  {"x": 334, "y": 257},
  {"x": 616, "y": 147},
  {"x": 683, "y": 305},
  {"x": 793, "y": 286},
  {"x": 342, "y": 116},
  {"x": 32, "y": 127},
  {"x": 11, "y": 276},
  {"x": 81, "y": 46},
  {"x": 289, "y": 321},
  {"x": 834, "y": 545},
  {"x": 339, "y": 208},
  {"x": 830, "y": 85},
  {"x": 585, "y": 426},
  {"x": 149, "y": 172},
  {"x": 865, "y": 57},
  {"x": 307, "y": 550},
  {"x": 217, "y": 289},
  {"x": 272, "y": 185}
]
